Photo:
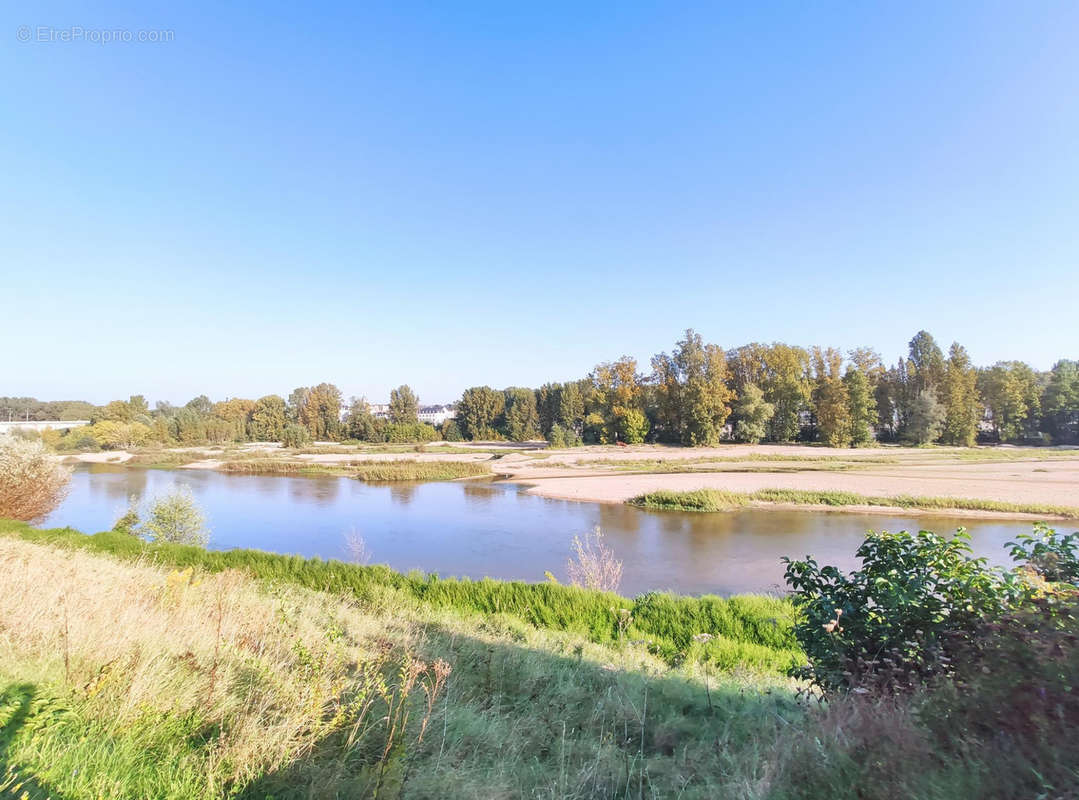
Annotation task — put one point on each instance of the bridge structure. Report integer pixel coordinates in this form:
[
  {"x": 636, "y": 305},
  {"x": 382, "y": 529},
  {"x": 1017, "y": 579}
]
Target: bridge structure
[{"x": 7, "y": 426}]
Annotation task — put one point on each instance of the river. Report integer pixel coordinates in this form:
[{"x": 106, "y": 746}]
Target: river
[{"x": 495, "y": 529}]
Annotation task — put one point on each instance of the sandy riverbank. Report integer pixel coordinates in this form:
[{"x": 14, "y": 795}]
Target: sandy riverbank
[{"x": 615, "y": 474}]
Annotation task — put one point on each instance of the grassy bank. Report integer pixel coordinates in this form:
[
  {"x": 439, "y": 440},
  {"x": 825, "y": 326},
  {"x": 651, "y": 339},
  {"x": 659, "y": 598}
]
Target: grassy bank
[
  {"x": 365, "y": 470},
  {"x": 127, "y": 680},
  {"x": 720, "y": 500},
  {"x": 742, "y": 631}
]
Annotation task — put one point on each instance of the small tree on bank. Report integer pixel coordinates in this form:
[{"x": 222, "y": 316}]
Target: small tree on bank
[{"x": 32, "y": 483}]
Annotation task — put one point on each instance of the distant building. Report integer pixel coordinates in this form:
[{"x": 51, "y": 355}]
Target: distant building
[{"x": 435, "y": 415}]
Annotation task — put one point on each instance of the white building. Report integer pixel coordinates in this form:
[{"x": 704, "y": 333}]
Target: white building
[{"x": 436, "y": 415}]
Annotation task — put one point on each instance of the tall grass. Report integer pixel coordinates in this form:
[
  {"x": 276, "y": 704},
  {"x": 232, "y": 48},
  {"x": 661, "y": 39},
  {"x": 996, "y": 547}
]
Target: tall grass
[
  {"x": 751, "y": 631},
  {"x": 364, "y": 470},
  {"x": 185, "y": 685},
  {"x": 721, "y": 500}
]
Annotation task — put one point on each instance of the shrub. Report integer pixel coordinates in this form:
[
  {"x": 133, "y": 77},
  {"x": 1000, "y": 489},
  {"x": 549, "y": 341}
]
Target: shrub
[
  {"x": 176, "y": 518},
  {"x": 129, "y": 520},
  {"x": 295, "y": 436},
  {"x": 451, "y": 431},
  {"x": 563, "y": 437},
  {"x": 1053, "y": 556},
  {"x": 402, "y": 432},
  {"x": 891, "y": 624},
  {"x": 32, "y": 483}
]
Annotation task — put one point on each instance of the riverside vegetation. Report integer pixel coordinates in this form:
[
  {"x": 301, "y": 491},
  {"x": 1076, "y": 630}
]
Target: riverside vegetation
[
  {"x": 133, "y": 666},
  {"x": 710, "y": 500},
  {"x": 699, "y": 394}
]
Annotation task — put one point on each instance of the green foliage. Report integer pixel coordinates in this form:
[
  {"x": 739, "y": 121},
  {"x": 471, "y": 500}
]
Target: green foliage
[
  {"x": 1011, "y": 395},
  {"x": 631, "y": 425},
  {"x": 926, "y": 419},
  {"x": 177, "y": 519},
  {"x": 478, "y": 412},
  {"x": 752, "y": 413},
  {"x": 693, "y": 400},
  {"x": 1054, "y": 556},
  {"x": 891, "y": 623},
  {"x": 749, "y": 631},
  {"x": 404, "y": 406},
  {"x": 1060, "y": 403},
  {"x": 861, "y": 406},
  {"x": 720, "y": 500},
  {"x": 404, "y": 432},
  {"x": 960, "y": 393},
  {"x": 321, "y": 412},
  {"x": 268, "y": 419},
  {"x": 451, "y": 432},
  {"x": 294, "y": 435},
  {"x": 563, "y": 437},
  {"x": 128, "y": 522},
  {"x": 520, "y": 418}
]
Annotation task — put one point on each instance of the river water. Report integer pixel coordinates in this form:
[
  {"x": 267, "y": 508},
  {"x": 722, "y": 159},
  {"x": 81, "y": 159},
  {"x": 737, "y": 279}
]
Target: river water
[{"x": 494, "y": 529}]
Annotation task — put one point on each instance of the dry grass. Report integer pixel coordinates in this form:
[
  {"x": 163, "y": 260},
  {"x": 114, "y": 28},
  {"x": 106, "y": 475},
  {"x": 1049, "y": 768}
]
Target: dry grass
[
  {"x": 593, "y": 564},
  {"x": 274, "y": 674},
  {"x": 32, "y": 483}
]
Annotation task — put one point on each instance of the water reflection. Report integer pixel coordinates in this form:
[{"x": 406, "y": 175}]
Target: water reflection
[{"x": 496, "y": 529}]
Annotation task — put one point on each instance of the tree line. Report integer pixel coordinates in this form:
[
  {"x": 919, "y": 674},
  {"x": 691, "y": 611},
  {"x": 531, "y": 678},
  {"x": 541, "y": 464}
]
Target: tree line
[
  {"x": 701, "y": 394},
  {"x": 698, "y": 394}
]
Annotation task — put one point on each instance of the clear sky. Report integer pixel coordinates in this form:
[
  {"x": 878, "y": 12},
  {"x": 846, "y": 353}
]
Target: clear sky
[{"x": 449, "y": 194}]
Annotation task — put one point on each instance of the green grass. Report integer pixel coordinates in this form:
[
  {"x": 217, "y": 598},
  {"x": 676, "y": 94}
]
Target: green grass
[
  {"x": 365, "y": 470},
  {"x": 748, "y": 630},
  {"x": 720, "y": 500}
]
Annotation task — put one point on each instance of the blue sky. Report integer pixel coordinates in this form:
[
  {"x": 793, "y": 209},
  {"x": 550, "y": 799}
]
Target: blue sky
[{"x": 448, "y": 194}]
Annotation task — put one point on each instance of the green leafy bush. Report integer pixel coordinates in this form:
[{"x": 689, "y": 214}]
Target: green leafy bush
[
  {"x": 295, "y": 436},
  {"x": 1054, "y": 556},
  {"x": 176, "y": 518},
  {"x": 402, "y": 432},
  {"x": 892, "y": 623}
]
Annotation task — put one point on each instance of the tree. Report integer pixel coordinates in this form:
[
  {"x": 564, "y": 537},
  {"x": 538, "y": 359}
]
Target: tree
[
  {"x": 176, "y": 518},
  {"x": 960, "y": 395},
  {"x": 752, "y": 413},
  {"x": 571, "y": 408},
  {"x": 237, "y": 413},
  {"x": 201, "y": 405},
  {"x": 521, "y": 420},
  {"x": 478, "y": 412},
  {"x": 926, "y": 418},
  {"x": 321, "y": 412},
  {"x": 295, "y": 436},
  {"x": 614, "y": 385},
  {"x": 631, "y": 424},
  {"x": 450, "y": 431},
  {"x": 861, "y": 406},
  {"x": 32, "y": 482},
  {"x": 361, "y": 424},
  {"x": 926, "y": 363},
  {"x": 1011, "y": 395},
  {"x": 297, "y": 399},
  {"x": 831, "y": 401},
  {"x": 547, "y": 401},
  {"x": 1060, "y": 403},
  {"x": 692, "y": 396},
  {"x": 268, "y": 419},
  {"x": 404, "y": 406},
  {"x": 787, "y": 387}
]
